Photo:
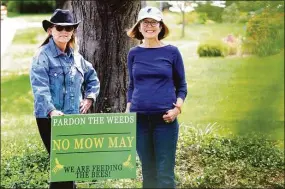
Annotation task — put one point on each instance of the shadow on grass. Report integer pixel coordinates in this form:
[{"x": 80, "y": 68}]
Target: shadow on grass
[{"x": 266, "y": 114}]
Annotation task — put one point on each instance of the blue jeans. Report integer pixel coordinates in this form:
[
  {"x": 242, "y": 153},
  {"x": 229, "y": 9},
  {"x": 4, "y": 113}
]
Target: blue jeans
[{"x": 156, "y": 147}]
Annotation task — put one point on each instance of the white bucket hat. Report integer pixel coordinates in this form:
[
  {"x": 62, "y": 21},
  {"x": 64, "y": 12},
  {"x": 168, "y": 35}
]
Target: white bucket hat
[{"x": 148, "y": 12}]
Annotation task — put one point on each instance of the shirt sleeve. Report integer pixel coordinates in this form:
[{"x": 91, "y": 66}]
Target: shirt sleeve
[
  {"x": 179, "y": 76},
  {"x": 39, "y": 79},
  {"x": 131, "y": 83},
  {"x": 92, "y": 83}
]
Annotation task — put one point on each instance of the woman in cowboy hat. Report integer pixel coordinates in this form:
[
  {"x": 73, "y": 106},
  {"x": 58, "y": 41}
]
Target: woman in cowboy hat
[
  {"x": 157, "y": 89},
  {"x": 58, "y": 75}
]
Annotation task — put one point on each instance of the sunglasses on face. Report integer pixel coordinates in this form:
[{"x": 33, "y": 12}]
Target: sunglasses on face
[{"x": 66, "y": 28}]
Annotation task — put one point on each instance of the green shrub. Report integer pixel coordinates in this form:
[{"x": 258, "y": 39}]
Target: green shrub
[
  {"x": 196, "y": 18},
  {"x": 231, "y": 14},
  {"x": 31, "y": 6},
  {"x": 24, "y": 165},
  {"x": 212, "y": 49},
  {"x": 202, "y": 18},
  {"x": 206, "y": 160},
  {"x": 243, "y": 17},
  {"x": 265, "y": 33}
]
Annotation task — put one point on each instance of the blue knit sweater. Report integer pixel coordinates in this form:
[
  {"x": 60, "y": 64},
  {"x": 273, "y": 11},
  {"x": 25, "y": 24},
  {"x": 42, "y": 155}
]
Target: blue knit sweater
[{"x": 156, "y": 79}]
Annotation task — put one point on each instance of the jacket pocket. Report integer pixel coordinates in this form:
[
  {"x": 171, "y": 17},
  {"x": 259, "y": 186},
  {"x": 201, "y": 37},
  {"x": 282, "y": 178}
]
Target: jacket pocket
[{"x": 56, "y": 76}]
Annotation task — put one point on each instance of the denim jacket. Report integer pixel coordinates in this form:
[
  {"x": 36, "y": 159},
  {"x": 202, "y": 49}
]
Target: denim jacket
[{"x": 61, "y": 80}]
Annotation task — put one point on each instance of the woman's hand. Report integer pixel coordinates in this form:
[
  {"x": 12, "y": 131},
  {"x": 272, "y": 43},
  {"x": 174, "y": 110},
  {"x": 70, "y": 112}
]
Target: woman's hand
[
  {"x": 85, "y": 105},
  {"x": 170, "y": 115},
  {"x": 56, "y": 113}
]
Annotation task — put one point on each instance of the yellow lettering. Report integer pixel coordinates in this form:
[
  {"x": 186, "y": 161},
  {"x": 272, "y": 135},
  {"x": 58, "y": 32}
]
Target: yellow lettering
[
  {"x": 78, "y": 145},
  {"x": 123, "y": 143},
  {"x": 65, "y": 144},
  {"x": 130, "y": 139},
  {"x": 113, "y": 143},
  {"x": 86, "y": 143},
  {"x": 57, "y": 144},
  {"x": 99, "y": 142}
]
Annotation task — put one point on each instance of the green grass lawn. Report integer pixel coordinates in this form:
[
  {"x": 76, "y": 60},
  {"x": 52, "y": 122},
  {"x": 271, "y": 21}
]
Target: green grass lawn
[
  {"x": 29, "y": 17},
  {"x": 200, "y": 32},
  {"x": 239, "y": 94}
]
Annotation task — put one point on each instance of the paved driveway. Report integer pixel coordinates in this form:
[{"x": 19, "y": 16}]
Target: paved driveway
[{"x": 8, "y": 30}]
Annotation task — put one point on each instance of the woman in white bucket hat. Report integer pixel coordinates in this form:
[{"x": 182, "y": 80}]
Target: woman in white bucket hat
[{"x": 156, "y": 92}]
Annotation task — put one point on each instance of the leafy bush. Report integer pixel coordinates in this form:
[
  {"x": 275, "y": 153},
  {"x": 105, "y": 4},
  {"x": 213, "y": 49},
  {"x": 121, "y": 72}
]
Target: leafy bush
[
  {"x": 211, "y": 12},
  {"x": 202, "y": 18},
  {"x": 265, "y": 33},
  {"x": 243, "y": 17},
  {"x": 196, "y": 18},
  {"x": 31, "y": 6},
  {"x": 207, "y": 160},
  {"x": 23, "y": 165},
  {"x": 212, "y": 49},
  {"x": 231, "y": 14}
]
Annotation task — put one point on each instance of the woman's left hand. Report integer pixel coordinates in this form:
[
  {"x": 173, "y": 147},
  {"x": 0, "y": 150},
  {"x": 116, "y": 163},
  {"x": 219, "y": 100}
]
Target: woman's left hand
[
  {"x": 85, "y": 105},
  {"x": 170, "y": 115}
]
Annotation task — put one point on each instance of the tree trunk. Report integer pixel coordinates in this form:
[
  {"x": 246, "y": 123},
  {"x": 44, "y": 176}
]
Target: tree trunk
[
  {"x": 103, "y": 41},
  {"x": 63, "y": 4}
]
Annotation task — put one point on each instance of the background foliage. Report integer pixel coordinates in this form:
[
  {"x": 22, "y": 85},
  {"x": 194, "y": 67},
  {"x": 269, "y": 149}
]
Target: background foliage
[
  {"x": 265, "y": 33},
  {"x": 30, "y": 6}
]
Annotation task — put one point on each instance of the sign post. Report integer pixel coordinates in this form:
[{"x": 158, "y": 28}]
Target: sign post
[{"x": 89, "y": 147}]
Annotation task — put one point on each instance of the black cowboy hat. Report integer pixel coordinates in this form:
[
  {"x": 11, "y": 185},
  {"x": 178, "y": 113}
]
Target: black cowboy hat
[{"x": 60, "y": 17}]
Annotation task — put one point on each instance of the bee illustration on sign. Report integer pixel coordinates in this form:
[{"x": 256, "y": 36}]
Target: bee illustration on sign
[
  {"x": 128, "y": 163},
  {"x": 57, "y": 167}
]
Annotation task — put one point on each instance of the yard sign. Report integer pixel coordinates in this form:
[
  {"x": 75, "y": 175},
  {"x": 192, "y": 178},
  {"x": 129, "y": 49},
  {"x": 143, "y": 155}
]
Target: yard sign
[{"x": 90, "y": 147}]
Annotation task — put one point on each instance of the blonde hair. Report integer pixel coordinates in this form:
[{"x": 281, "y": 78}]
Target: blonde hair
[{"x": 136, "y": 34}]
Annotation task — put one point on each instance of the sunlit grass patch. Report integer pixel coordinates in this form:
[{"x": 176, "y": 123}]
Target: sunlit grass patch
[
  {"x": 17, "y": 126},
  {"x": 242, "y": 94},
  {"x": 19, "y": 55},
  {"x": 16, "y": 95},
  {"x": 28, "y": 36},
  {"x": 200, "y": 32},
  {"x": 29, "y": 17}
]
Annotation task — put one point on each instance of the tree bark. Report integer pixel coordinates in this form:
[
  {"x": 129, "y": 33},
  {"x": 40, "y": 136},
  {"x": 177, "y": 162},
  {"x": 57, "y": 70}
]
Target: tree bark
[
  {"x": 103, "y": 41},
  {"x": 63, "y": 4}
]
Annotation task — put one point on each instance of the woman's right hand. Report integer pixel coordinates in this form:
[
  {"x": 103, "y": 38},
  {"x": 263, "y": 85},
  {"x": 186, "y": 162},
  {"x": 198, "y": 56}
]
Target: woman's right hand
[{"x": 56, "y": 113}]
